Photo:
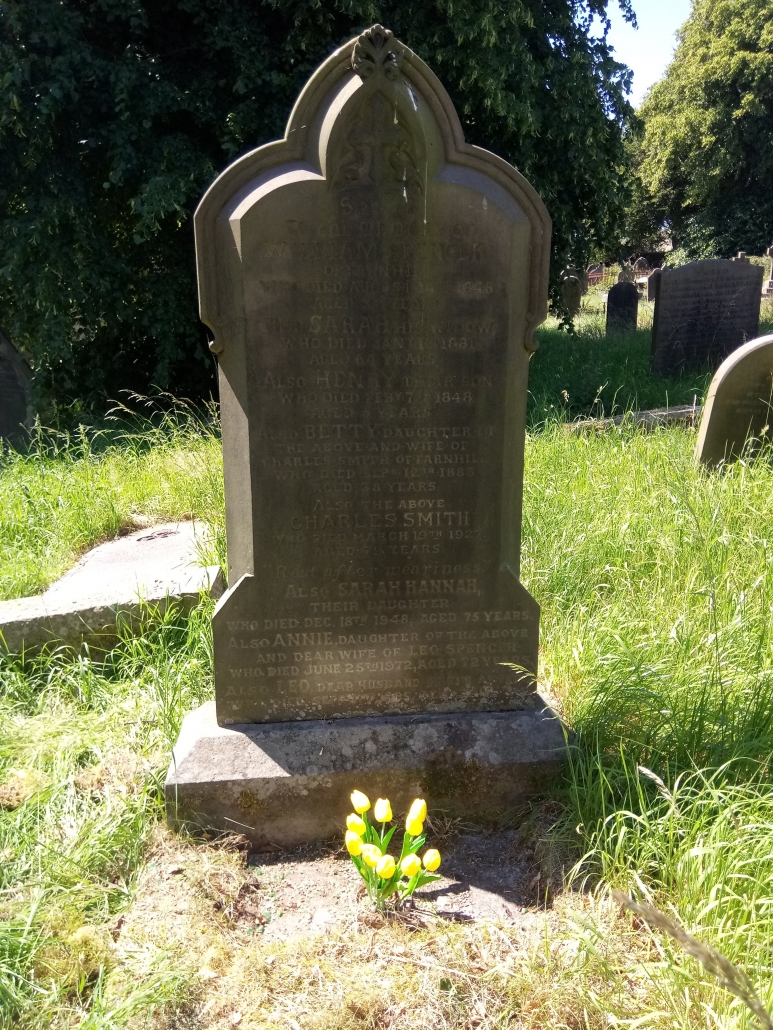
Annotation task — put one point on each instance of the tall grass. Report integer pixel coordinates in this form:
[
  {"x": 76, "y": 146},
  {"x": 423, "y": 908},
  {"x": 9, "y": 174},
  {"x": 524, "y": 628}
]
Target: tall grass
[
  {"x": 83, "y": 749},
  {"x": 657, "y": 637},
  {"x": 69, "y": 491},
  {"x": 656, "y": 584}
]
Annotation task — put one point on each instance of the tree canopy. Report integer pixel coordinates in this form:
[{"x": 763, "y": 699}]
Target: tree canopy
[
  {"x": 703, "y": 155},
  {"x": 116, "y": 114}
]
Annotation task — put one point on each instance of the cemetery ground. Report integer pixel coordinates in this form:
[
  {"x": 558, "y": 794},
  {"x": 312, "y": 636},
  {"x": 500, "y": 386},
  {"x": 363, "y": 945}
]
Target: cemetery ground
[{"x": 655, "y": 579}]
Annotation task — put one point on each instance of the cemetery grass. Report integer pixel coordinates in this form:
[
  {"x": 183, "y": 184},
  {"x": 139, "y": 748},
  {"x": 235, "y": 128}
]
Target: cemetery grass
[
  {"x": 655, "y": 581},
  {"x": 71, "y": 490}
]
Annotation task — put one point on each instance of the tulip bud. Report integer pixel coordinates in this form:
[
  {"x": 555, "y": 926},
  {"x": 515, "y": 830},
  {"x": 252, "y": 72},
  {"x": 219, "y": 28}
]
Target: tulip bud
[
  {"x": 382, "y": 810},
  {"x": 355, "y": 824},
  {"x": 386, "y": 867},
  {"x": 353, "y": 842},
  {"x": 431, "y": 859},
  {"x": 418, "y": 811},
  {"x": 371, "y": 855},
  {"x": 414, "y": 826},
  {"x": 360, "y": 802},
  {"x": 410, "y": 865}
]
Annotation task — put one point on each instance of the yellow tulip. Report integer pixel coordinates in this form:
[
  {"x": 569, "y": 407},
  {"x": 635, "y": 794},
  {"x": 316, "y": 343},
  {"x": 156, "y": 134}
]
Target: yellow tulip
[
  {"x": 386, "y": 867},
  {"x": 371, "y": 854},
  {"x": 431, "y": 859},
  {"x": 382, "y": 810},
  {"x": 353, "y": 842},
  {"x": 410, "y": 865},
  {"x": 414, "y": 826},
  {"x": 360, "y": 802},
  {"x": 418, "y": 811},
  {"x": 355, "y": 824}
]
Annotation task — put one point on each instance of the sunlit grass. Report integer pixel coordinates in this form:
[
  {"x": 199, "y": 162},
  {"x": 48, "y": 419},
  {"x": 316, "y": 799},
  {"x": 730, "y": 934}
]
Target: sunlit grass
[
  {"x": 656, "y": 585},
  {"x": 83, "y": 749},
  {"x": 70, "y": 491}
]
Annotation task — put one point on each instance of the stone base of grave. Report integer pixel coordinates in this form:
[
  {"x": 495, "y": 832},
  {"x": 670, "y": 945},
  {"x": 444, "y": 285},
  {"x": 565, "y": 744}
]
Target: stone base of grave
[{"x": 284, "y": 784}]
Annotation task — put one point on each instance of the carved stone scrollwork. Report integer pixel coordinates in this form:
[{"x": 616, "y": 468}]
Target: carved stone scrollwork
[{"x": 377, "y": 52}]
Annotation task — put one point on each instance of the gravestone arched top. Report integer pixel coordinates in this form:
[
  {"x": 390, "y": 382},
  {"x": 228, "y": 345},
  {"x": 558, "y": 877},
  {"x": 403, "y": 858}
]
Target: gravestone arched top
[
  {"x": 739, "y": 403},
  {"x": 371, "y": 84}
]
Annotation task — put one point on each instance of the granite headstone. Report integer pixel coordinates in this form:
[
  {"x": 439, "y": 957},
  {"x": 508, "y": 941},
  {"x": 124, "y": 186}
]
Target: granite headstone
[
  {"x": 15, "y": 375},
  {"x": 703, "y": 311},
  {"x": 372, "y": 283},
  {"x": 738, "y": 404},
  {"x": 622, "y": 307}
]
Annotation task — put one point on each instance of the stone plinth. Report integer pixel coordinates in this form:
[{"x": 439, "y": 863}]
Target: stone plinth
[{"x": 289, "y": 783}]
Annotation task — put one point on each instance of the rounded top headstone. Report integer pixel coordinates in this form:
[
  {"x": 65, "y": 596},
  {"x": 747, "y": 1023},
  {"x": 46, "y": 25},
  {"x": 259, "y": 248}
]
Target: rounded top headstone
[{"x": 738, "y": 404}]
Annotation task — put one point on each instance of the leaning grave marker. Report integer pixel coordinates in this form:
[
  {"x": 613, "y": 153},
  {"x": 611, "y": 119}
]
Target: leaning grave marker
[
  {"x": 739, "y": 403},
  {"x": 703, "y": 311},
  {"x": 372, "y": 283}
]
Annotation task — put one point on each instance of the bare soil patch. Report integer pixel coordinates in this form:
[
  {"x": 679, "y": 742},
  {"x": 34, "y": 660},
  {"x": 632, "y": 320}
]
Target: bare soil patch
[{"x": 288, "y": 939}]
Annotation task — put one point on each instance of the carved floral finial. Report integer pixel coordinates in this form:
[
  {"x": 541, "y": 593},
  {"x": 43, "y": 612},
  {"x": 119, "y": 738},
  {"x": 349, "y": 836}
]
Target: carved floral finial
[{"x": 377, "y": 52}]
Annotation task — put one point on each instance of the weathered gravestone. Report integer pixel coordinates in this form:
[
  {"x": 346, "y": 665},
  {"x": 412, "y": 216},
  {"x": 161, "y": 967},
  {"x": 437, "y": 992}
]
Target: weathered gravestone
[
  {"x": 626, "y": 274},
  {"x": 703, "y": 311},
  {"x": 15, "y": 377},
  {"x": 571, "y": 294},
  {"x": 652, "y": 283},
  {"x": 622, "y": 307},
  {"x": 738, "y": 404},
  {"x": 572, "y": 271},
  {"x": 641, "y": 268},
  {"x": 372, "y": 283}
]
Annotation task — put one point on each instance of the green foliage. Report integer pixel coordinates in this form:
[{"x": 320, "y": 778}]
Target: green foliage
[
  {"x": 703, "y": 157},
  {"x": 655, "y": 580},
  {"x": 115, "y": 115},
  {"x": 83, "y": 747},
  {"x": 589, "y": 374}
]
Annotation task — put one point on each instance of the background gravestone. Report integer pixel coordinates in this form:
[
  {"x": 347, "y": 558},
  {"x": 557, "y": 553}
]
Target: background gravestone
[
  {"x": 15, "y": 374},
  {"x": 571, "y": 294},
  {"x": 626, "y": 274},
  {"x": 738, "y": 404},
  {"x": 622, "y": 307},
  {"x": 641, "y": 267},
  {"x": 703, "y": 311},
  {"x": 372, "y": 283},
  {"x": 652, "y": 283}
]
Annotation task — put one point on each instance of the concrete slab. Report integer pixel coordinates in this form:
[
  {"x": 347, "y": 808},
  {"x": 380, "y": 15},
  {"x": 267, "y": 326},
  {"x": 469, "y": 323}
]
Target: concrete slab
[
  {"x": 108, "y": 583},
  {"x": 289, "y": 783}
]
